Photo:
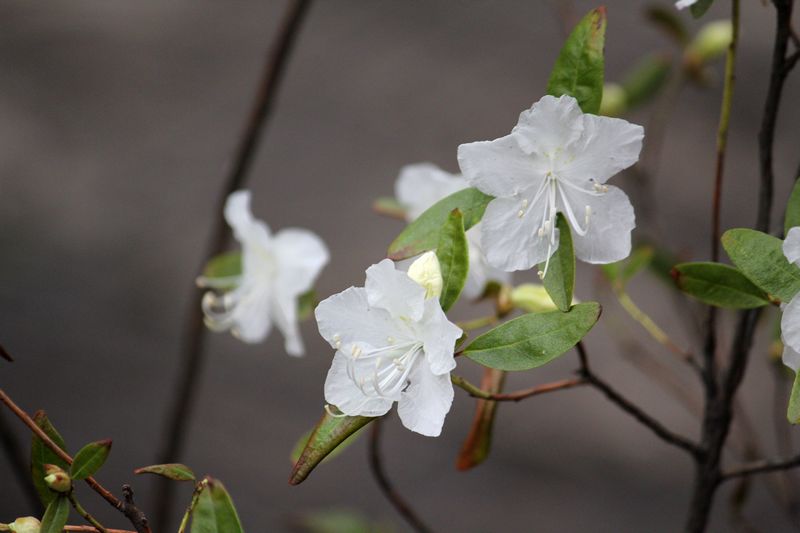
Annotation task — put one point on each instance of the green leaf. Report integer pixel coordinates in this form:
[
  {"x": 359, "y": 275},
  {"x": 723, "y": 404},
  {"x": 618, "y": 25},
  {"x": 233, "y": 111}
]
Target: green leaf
[
  {"x": 174, "y": 471},
  {"x": 478, "y": 443},
  {"x": 793, "y": 411},
  {"x": 534, "y": 339},
  {"x": 622, "y": 271},
  {"x": 792, "y": 218},
  {"x": 559, "y": 281},
  {"x": 306, "y": 303},
  {"x": 56, "y": 515},
  {"x": 389, "y": 207},
  {"x": 224, "y": 269},
  {"x": 89, "y": 459},
  {"x": 644, "y": 82},
  {"x": 42, "y": 455},
  {"x": 699, "y": 8},
  {"x": 718, "y": 285},
  {"x": 578, "y": 71},
  {"x": 214, "y": 512},
  {"x": 760, "y": 257},
  {"x": 338, "y": 521},
  {"x": 329, "y": 433},
  {"x": 453, "y": 258},
  {"x": 302, "y": 442},
  {"x": 666, "y": 19},
  {"x": 422, "y": 235}
]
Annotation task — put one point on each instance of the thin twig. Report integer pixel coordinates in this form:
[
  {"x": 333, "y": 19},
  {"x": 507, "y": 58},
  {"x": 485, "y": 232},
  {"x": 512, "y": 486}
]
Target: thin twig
[
  {"x": 85, "y": 514},
  {"x": 376, "y": 465},
  {"x": 761, "y": 467},
  {"x": 192, "y": 359},
  {"x": 5, "y": 355},
  {"x": 134, "y": 514},
  {"x": 90, "y": 529},
  {"x": 477, "y": 392}
]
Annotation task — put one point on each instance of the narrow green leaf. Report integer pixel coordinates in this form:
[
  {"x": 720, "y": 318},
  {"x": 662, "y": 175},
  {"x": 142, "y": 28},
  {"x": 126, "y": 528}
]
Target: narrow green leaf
[
  {"x": 792, "y": 217},
  {"x": 42, "y": 455},
  {"x": 453, "y": 258},
  {"x": 215, "y": 512},
  {"x": 579, "y": 69},
  {"x": 478, "y": 443},
  {"x": 534, "y": 339},
  {"x": 646, "y": 80},
  {"x": 793, "y": 412},
  {"x": 302, "y": 442},
  {"x": 56, "y": 515},
  {"x": 89, "y": 459},
  {"x": 174, "y": 471},
  {"x": 422, "y": 235},
  {"x": 719, "y": 285},
  {"x": 559, "y": 281},
  {"x": 700, "y": 7},
  {"x": 760, "y": 257},
  {"x": 329, "y": 433},
  {"x": 389, "y": 207},
  {"x": 666, "y": 19},
  {"x": 224, "y": 268}
]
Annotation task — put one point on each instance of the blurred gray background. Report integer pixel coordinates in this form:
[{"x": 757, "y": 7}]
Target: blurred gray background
[{"x": 118, "y": 121}]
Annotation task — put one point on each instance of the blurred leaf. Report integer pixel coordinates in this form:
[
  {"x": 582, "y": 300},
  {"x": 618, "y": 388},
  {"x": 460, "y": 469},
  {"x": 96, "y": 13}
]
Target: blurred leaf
[
  {"x": 699, "y": 8},
  {"x": 792, "y": 217},
  {"x": 453, "y": 258},
  {"x": 214, "y": 512},
  {"x": 667, "y": 19},
  {"x": 174, "y": 471},
  {"x": 478, "y": 443},
  {"x": 534, "y": 339},
  {"x": 389, "y": 207},
  {"x": 89, "y": 459},
  {"x": 329, "y": 433},
  {"x": 760, "y": 257},
  {"x": 337, "y": 521},
  {"x": 532, "y": 298},
  {"x": 646, "y": 80},
  {"x": 578, "y": 71},
  {"x": 42, "y": 455},
  {"x": 224, "y": 269},
  {"x": 302, "y": 442},
  {"x": 622, "y": 271},
  {"x": 56, "y": 515},
  {"x": 306, "y": 303},
  {"x": 719, "y": 285},
  {"x": 423, "y": 234},
  {"x": 793, "y": 412},
  {"x": 711, "y": 42},
  {"x": 559, "y": 281}
]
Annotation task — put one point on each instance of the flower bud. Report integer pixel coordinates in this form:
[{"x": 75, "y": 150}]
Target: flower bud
[
  {"x": 614, "y": 100},
  {"x": 57, "y": 479},
  {"x": 532, "y": 298},
  {"x": 25, "y": 524},
  {"x": 427, "y": 272},
  {"x": 711, "y": 41}
]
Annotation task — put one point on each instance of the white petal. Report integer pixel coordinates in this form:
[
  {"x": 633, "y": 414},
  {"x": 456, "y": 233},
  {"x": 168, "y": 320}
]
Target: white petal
[
  {"x": 426, "y": 402},
  {"x": 439, "y": 337},
  {"x": 790, "y": 332},
  {"x": 512, "y": 242},
  {"x": 611, "y": 222},
  {"x": 342, "y": 392},
  {"x": 498, "y": 168},
  {"x": 392, "y": 290},
  {"x": 284, "y": 312},
  {"x": 480, "y": 271},
  {"x": 250, "y": 318},
  {"x": 300, "y": 256},
  {"x": 681, "y": 4},
  {"x": 246, "y": 229},
  {"x": 550, "y": 125},
  {"x": 421, "y": 185},
  {"x": 347, "y": 317},
  {"x": 607, "y": 146},
  {"x": 791, "y": 246}
]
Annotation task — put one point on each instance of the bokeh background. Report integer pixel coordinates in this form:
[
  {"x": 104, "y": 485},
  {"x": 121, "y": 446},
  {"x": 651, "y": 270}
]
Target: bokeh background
[{"x": 118, "y": 121}]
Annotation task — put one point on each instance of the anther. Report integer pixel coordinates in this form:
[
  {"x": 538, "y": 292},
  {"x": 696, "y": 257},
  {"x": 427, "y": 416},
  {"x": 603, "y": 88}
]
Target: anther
[
  {"x": 524, "y": 202},
  {"x": 588, "y": 215},
  {"x": 356, "y": 351},
  {"x": 540, "y": 274},
  {"x": 520, "y": 213}
]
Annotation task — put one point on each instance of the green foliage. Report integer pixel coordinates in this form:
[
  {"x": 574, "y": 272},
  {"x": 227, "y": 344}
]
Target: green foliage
[
  {"x": 338, "y": 521},
  {"x": 89, "y": 459},
  {"x": 645, "y": 80},
  {"x": 666, "y": 19},
  {"x": 224, "y": 268},
  {"x": 56, "y": 515},
  {"x": 534, "y": 339},
  {"x": 718, "y": 285},
  {"x": 389, "y": 207},
  {"x": 579, "y": 69},
  {"x": 214, "y": 511},
  {"x": 174, "y": 471},
  {"x": 700, "y": 7},
  {"x": 423, "y": 234},
  {"x": 329, "y": 433},
  {"x": 453, "y": 258},
  {"x": 792, "y": 217},
  {"x": 560, "y": 278},
  {"x": 793, "y": 412},
  {"x": 42, "y": 455},
  {"x": 760, "y": 257},
  {"x": 306, "y": 303},
  {"x": 622, "y": 271},
  {"x": 302, "y": 442}
]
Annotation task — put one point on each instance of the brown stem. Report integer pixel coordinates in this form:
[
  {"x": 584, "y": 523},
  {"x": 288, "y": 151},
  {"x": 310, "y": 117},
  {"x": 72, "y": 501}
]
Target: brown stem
[
  {"x": 192, "y": 359},
  {"x": 519, "y": 395},
  {"x": 376, "y": 465},
  {"x": 127, "y": 507},
  {"x": 761, "y": 467},
  {"x": 90, "y": 529}
]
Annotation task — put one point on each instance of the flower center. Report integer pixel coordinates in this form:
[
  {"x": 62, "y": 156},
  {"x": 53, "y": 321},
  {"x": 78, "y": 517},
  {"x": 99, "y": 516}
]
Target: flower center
[{"x": 383, "y": 372}]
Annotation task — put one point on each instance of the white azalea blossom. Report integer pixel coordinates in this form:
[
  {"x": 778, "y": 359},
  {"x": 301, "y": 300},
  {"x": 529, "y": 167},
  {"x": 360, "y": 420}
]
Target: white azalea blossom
[
  {"x": 790, "y": 321},
  {"x": 556, "y": 159},
  {"x": 393, "y": 344},
  {"x": 276, "y": 269},
  {"x": 683, "y": 4},
  {"x": 421, "y": 185}
]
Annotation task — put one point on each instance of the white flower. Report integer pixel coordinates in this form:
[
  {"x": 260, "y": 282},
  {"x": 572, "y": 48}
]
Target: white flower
[
  {"x": 790, "y": 321},
  {"x": 276, "y": 269},
  {"x": 683, "y": 4},
  {"x": 392, "y": 345},
  {"x": 555, "y": 159},
  {"x": 421, "y": 185}
]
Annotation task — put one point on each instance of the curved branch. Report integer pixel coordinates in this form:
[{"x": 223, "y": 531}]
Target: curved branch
[
  {"x": 477, "y": 392},
  {"x": 761, "y": 467}
]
